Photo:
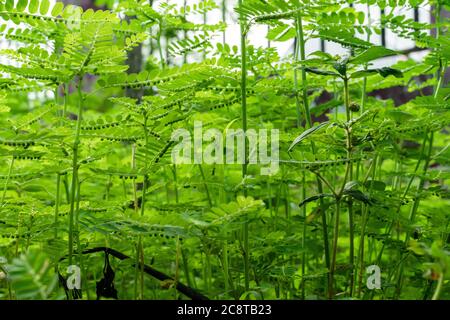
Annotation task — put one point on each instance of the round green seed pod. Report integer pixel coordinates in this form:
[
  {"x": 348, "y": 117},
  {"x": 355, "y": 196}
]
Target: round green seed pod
[{"x": 354, "y": 107}]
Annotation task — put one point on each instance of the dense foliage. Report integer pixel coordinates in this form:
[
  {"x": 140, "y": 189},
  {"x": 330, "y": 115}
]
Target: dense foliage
[{"x": 87, "y": 178}]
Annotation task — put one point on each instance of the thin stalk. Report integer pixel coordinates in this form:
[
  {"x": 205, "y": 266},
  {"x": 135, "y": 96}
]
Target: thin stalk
[
  {"x": 133, "y": 167},
  {"x": 141, "y": 270},
  {"x": 208, "y": 271},
  {"x": 361, "y": 248},
  {"x": 244, "y": 86},
  {"x": 443, "y": 67},
  {"x": 365, "y": 217},
  {"x": 244, "y": 127},
  {"x": 440, "y": 72},
  {"x": 364, "y": 90},
  {"x": 66, "y": 188},
  {"x": 205, "y": 185},
  {"x": 225, "y": 264},
  {"x": 145, "y": 181},
  {"x": 422, "y": 181},
  {"x": 334, "y": 251},
  {"x": 415, "y": 207},
  {"x": 175, "y": 182},
  {"x": 224, "y": 19},
  {"x": 140, "y": 249},
  {"x": 186, "y": 268},
  {"x": 336, "y": 229},
  {"x": 73, "y": 189},
  {"x": 136, "y": 273},
  {"x": 185, "y": 32},
  {"x": 57, "y": 200},
  {"x": 438, "y": 290},
  {"x": 204, "y": 30},
  {"x": 427, "y": 290},
  {"x": 350, "y": 176},
  {"x": 301, "y": 48},
  {"x": 246, "y": 256},
  {"x": 405, "y": 193},
  {"x": 287, "y": 202},
  {"x": 177, "y": 266},
  {"x": 297, "y": 98},
  {"x": 161, "y": 55},
  {"x": 76, "y": 226},
  {"x": 416, "y": 204},
  {"x": 303, "y": 287},
  {"x": 440, "y": 75},
  {"x": 327, "y": 183},
  {"x": 66, "y": 98},
  {"x": 7, "y": 180},
  {"x": 347, "y": 99},
  {"x": 364, "y": 95}
]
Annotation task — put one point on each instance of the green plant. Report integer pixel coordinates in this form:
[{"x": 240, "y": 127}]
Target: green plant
[{"x": 88, "y": 177}]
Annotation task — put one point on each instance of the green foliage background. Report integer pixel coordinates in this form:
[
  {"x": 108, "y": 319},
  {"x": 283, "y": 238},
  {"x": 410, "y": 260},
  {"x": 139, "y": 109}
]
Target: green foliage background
[{"x": 85, "y": 154}]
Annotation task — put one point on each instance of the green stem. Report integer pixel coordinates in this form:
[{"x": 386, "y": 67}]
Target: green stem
[
  {"x": 244, "y": 87},
  {"x": 7, "y": 180},
  {"x": 438, "y": 290},
  {"x": 224, "y": 19},
  {"x": 140, "y": 250},
  {"x": 136, "y": 272},
  {"x": 145, "y": 181},
  {"x": 405, "y": 193},
  {"x": 440, "y": 74},
  {"x": 364, "y": 90},
  {"x": 66, "y": 98},
  {"x": 204, "y": 30},
  {"x": 303, "y": 282},
  {"x": 205, "y": 185},
  {"x": 244, "y": 128},
  {"x": 175, "y": 184},
  {"x": 350, "y": 176},
  {"x": 226, "y": 272},
  {"x": 297, "y": 98},
  {"x": 301, "y": 49},
  {"x": 66, "y": 188},
  {"x": 365, "y": 218},
  {"x": 422, "y": 181},
  {"x": 73, "y": 189},
  {"x": 161, "y": 55},
  {"x": 133, "y": 167},
  {"x": 414, "y": 208},
  {"x": 334, "y": 252},
  {"x": 76, "y": 226},
  {"x": 347, "y": 99},
  {"x": 141, "y": 270},
  {"x": 57, "y": 200},
  {"x": 186, "y": 268},
  {"x": 185, "y": 32},
  {"x": 441, "y": 70}
]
